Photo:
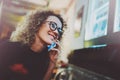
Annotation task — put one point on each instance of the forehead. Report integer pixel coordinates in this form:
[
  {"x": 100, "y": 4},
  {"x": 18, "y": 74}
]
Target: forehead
[{"x": 55, "y": 19}]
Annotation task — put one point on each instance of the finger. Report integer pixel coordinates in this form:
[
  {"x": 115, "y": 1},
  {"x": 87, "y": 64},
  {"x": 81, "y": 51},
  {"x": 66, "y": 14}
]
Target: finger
[
  {"x": 55, "y": 50},
  {"x": 54, "y": 55},
  {"x": 58, "y": 44}
]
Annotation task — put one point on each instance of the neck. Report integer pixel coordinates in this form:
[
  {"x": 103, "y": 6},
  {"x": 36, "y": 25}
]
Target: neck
[{"x": 37, "y": 46}]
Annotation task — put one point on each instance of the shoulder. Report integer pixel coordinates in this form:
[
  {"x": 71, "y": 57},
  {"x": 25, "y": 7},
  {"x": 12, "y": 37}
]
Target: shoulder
[
  {"x": 8, "y": 44},
  {"x": 10, "y": 48},
  {"x": 10, "y": 51}
]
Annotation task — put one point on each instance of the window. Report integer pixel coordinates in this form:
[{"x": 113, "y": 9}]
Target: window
[
  {"x": 98, "y": 19},
  {"x": 117, "y": 17}
]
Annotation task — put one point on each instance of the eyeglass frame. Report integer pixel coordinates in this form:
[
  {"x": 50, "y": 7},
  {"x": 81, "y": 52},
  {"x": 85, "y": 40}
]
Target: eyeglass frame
[{"x": 60, "y": 31}]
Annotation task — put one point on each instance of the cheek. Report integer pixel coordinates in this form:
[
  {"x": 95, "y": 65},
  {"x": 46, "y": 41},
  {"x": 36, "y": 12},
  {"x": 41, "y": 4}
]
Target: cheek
[{"x": 43, "y": 32}]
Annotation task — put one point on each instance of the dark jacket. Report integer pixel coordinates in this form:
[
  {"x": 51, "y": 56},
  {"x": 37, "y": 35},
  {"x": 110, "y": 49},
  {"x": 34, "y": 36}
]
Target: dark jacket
[{"x": 19, "y": 62}]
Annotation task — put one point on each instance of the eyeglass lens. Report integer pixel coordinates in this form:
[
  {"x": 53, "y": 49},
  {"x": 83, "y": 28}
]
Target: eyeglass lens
[{"x": 53, "y": 27}]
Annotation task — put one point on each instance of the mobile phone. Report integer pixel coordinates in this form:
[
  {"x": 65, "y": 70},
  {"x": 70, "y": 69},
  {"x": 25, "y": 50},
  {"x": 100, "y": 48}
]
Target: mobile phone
[{"x": 51, "y": 46}]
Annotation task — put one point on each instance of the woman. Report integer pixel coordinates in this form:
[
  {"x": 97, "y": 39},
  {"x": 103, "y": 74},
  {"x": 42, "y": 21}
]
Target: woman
[{"x": 26, "y": 56}]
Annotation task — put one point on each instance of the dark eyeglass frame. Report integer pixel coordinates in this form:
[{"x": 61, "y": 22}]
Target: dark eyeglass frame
[{"x": 53, "y": 26}]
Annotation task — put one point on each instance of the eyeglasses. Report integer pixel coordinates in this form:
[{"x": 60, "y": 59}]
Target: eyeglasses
[{"x": 53, "y": 26}]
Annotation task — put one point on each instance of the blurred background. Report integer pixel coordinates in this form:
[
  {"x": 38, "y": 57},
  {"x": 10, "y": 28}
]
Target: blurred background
[{"x": 90, "y": 23}]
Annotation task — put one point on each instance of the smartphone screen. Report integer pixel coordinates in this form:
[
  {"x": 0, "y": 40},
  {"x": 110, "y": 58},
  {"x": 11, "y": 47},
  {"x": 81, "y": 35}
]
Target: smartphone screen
[{"x": 51, "y": 46}]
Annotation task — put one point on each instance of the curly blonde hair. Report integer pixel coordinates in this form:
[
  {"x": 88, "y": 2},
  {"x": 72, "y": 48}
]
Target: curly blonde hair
[{"x": 25, "y": 31}]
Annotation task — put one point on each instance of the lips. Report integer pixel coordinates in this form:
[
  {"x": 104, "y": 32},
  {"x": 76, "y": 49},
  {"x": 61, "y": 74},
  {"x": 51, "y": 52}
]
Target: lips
[{"x": 53, "y": 36}]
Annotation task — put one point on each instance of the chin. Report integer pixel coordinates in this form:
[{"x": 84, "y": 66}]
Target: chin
[{"x": 50, "y": 42}]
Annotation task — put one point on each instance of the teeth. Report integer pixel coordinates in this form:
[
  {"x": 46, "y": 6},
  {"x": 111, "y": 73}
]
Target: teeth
[{"x": 54, "y": 37}]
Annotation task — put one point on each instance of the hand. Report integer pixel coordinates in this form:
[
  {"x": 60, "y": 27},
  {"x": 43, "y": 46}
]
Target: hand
[{"x": 54, "y": 53}]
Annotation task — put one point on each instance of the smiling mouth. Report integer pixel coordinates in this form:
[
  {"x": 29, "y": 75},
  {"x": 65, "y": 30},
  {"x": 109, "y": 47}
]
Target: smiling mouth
[{"x": 54, "y": 37}]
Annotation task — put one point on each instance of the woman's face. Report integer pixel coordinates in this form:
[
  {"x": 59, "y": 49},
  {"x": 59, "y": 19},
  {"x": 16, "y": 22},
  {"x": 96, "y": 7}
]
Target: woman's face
[{"x": 47, "y": 32}]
